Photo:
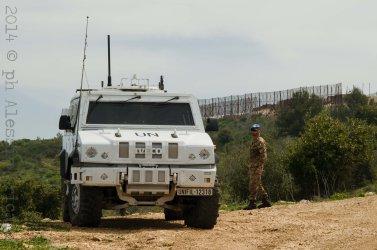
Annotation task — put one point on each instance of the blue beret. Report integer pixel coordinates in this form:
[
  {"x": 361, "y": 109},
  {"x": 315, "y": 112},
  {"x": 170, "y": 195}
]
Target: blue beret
[{"x": 255, "y": 127}]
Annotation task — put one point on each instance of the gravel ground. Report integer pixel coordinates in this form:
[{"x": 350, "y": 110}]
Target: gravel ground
[{"x": 350, "y": 223}]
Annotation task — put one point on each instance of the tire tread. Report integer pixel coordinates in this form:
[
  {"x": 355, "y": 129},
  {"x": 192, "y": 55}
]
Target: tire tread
[
  {"x": 205, "y": 213},
  {"x": 90, "y": 208}
]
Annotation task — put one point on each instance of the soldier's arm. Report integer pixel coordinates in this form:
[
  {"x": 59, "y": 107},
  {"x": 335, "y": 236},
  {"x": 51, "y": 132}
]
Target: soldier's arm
[{"x": 263, "y": 150}]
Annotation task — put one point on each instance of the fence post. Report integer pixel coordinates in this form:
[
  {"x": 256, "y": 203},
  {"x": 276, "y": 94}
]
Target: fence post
[
  {"x": 238, "y": 105},
  {"x": 251, "y": 103},
  {"x": 205, "y": 108},
  {"x": 259, "y": 100},
  {"x": 245, "y": 103},
  {"x": 266, "y": 99},
  {"x": 217, "y": 106},
  {"x": 224, "y": 106},
  {"x": 200, "y": 106},
  {"x": 212, "y": 112},
  {"x": 231, "y": 105},
  {"x": 327, "y": 87},
  {"x": 287, "y": 94}
]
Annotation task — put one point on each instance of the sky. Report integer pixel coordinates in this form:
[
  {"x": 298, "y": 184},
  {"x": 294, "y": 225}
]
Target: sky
[{"x": 207, "y": 48}]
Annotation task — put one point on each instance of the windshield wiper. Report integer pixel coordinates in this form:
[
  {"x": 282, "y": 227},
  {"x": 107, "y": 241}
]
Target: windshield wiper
[
  {"x": 95, "y": 104},
  {"x": 133, "y": 98},
  {"x": 174, "y": 98},
  {"x": 99, "y": 97}
]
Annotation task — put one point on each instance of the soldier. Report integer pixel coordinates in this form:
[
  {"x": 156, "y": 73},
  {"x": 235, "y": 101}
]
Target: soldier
[{"x": 258, "y": 156}]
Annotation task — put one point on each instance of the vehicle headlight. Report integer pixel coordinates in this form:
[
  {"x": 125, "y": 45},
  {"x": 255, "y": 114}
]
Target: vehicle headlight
[
  {"x": 91, "y": 152},
  {"x": 204, "y": 154}
]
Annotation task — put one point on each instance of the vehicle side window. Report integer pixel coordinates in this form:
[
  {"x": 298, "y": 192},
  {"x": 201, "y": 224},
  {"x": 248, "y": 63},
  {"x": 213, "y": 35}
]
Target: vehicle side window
[{"x": 73, "y": 112}]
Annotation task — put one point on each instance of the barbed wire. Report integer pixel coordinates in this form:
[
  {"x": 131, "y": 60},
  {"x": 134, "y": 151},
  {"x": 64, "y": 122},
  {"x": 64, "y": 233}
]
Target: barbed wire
[{"x": 252, "y": 103}]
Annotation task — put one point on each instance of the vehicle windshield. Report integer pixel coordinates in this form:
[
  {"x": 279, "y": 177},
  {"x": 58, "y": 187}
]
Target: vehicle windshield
[{"x": 144, "y": 113}]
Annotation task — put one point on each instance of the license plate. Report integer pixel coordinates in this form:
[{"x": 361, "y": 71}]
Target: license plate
[{"x": 194, "y": 191}]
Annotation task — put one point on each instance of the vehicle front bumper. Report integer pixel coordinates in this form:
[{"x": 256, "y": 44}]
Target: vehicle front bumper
[{"x": 145, "y": 177}]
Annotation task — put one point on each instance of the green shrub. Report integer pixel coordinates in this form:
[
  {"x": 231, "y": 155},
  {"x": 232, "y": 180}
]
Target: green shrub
[
  {"x": 234, "y": 160},
  {"x": 37, "y": 242},
  {"x": 224, "y": 136},
  {"x": 356, "y": 99},
  {"x": 292, "y": 115},
  {"x": 367, "y": 113},
  {"x": 339, "y": 196},
  {"x": 233, "y": 174},
  {"x": 277, "y": 179},
  {"x": 31, "y": 217},
  {"x": 357, "y": 105},
  {"x": 8, "y": 244},
  {"x": 332, "y": 156},
  {"x": 22, "y": 198}
]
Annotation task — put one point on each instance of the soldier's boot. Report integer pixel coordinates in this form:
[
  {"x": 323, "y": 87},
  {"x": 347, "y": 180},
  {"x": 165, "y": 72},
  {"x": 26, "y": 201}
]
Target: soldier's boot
[
  {"x": 252, "y": 205},
  {"x": 265, "y": 202}
]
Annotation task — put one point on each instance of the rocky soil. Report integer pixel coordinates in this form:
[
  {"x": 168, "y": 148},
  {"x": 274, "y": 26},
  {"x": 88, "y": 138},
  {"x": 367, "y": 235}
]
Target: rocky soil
[{"x": 350, "y": 223}]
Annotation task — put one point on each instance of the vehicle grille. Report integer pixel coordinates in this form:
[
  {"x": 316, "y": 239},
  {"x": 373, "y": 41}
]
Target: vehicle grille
[
  {"x": 148, "y": 176},
  {"x": 136, "y": 176}
]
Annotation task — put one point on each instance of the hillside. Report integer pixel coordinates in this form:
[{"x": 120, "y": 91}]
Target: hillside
[{"x": 31, "y": 159}]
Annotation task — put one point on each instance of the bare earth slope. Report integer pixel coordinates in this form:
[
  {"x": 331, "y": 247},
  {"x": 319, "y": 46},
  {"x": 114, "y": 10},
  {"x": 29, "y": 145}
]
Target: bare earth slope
[{"x": 350, "y": 223}]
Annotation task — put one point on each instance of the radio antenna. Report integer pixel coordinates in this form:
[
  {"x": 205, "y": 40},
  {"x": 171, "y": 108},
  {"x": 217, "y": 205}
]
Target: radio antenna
[
  {"x": 108, "y": 62},
  {"x": 77, "y": 122}
]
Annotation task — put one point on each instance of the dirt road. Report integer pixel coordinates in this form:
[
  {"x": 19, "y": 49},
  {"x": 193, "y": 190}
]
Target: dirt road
[{"x": 350, "y": 223}]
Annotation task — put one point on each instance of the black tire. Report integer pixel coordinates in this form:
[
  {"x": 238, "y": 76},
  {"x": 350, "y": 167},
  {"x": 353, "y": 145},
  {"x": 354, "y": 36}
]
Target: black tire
[
  {"x": 205, "y": 212},
  {"x": 122, "y": 212},
  {"x": 85, "y": 206},
  {"x": 65, "y": 202},
  {"x": 171, "y": 215}
]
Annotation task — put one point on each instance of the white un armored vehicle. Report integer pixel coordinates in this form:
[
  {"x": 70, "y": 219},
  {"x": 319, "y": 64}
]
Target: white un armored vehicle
[{"x": 137, "y": 146}]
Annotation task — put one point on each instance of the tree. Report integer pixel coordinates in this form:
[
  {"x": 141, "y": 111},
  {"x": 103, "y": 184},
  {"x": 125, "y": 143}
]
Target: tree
[
  {"x": 356, "y": 99},
  {"x": 292, "y": 116},
  {"x": 224, "y": 136},
  {"x": 357, "y": 105},
  {"x": 332, "y": 156}
]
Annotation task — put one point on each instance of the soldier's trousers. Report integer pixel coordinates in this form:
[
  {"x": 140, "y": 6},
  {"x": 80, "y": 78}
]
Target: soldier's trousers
[{"x": 255, "y": 185}]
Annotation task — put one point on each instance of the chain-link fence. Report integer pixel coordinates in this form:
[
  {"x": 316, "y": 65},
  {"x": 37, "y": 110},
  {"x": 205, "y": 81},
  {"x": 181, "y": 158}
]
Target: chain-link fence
[{"x": 265, "y": 101}]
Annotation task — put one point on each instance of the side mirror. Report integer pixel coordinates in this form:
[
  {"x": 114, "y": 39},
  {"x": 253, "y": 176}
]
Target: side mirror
[
  {"x": 212, "y": 125},
  {"x": 65, "y": 122}
]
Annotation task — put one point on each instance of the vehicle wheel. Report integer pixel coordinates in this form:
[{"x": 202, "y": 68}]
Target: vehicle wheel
[
  {"x": 172, "y": 215},
  {"x": 65, "y": 202},
  {"x": 122, "y": 212},
  {"x": 204, "y": 213},
  {"x": 85, "y": 206}
]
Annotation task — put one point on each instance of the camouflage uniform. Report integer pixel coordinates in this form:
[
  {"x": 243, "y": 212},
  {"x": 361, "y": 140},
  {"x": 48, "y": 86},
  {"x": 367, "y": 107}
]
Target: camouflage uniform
[{"x": 258, "y": 156}]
